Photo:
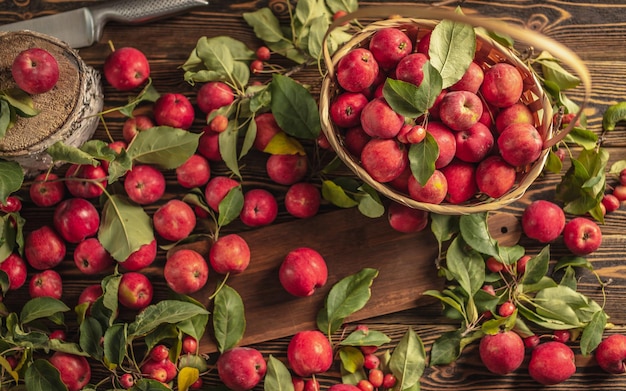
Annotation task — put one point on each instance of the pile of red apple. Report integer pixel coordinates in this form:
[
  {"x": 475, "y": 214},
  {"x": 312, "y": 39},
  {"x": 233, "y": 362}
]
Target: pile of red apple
[{"x": 485, "y": 133}]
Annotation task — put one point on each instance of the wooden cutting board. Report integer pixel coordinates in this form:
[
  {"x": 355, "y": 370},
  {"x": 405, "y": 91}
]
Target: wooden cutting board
[{"x": 348, "y": 241}]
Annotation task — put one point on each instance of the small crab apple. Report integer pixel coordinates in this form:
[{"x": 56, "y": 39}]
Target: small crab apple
[
  {"x": 506, "y": 309},
  {"x": 309, "y": 352},
  {"x": 411, "y": 134},
  {"x": 175, "y": 110},
  {"x": 302, "y": 271},
  {"x": 384, "y": 159},
  {"x": 502, "y": 85},
  {"x": 133, "y": 125},
  {"x": 259, "y": 208},
  {"x": 619, "y": 191},
  {"x": 520, "y": 144},
  {"x": 256, "y": 66},
  {"x": 389, "y": 45},
  {"x": 35, "y": 70},
  {"x": 532, "y": 341},
  {"x": 44, "y": 248},
  {"x": 163, "y": 371},
  {"x": 263, "y": 53},
  {"x": 135, "y": 291},
  {"x": 344, "y": 387},
  {"x": 189, "y": 344},
  {"x": 47, "y": 283},
  {"x": 582, "y": 236},
  {"x": 371, "y": 361},
  {"x": 460, "y": 110},
  {"x": 610, "y": 202},
  {"x": 11, "y": 205},
  {"x": 433, "y": 191},
  {"x": 74, "y": 369},
  {"x": 302, "y": 200},
  {"x": 502, "y": 352},
  {"x": 159, "y": 353},
  {"x": 46, "y": 190},
  {"x": 194, "y": 172},
  {"x": 471, "y": 79},
  {"x": 217, "y": 188},
  {"x": 174, "y": 220},
  {"x": 219, "y": 123},
  {"x": 551, "y": 363},
  {"x": 126, "y": 68},
  {"x": 494, "y": 265},
  {"x": 357, "y": 70},
  {"x": 345, "y": 110},
  {"x": 213, "y": 95},
  {"x": 494, "y": 176},
  {"x": 405, "y": 219},
  {"x": 611, "y": 354},
  {"x": 561, "y": 335},
  {"x": 127, "y": 381},
  {"x": 142, "y": 257},
  {"x": 389, "y": 380},
  {"x": 144, "y": 184},
  {"x": 85, "y": 180},
  {"x": 378, "y": 119},
  {"x": 461, "y": 179},
  {"x": 15, "y": 268},
  {"x": 186, "y": 271},
  {"x": 90, "y": 257},
  {"x": 312, "y": 385},
  {"x": 58, "y": 334},
  {"x": 286, "y": 169},
  {"x": 521, "y": 264},
  {"x": 543, "y": 220},
  {"x": 241, "y": 368},
  {"x": 365, "y": 385},
  {"x": 376, "y": 377},
  {"x": 410, "y": 68},
  {"x": 76, "y": 219},
  {"x": 229, "y": 254}
]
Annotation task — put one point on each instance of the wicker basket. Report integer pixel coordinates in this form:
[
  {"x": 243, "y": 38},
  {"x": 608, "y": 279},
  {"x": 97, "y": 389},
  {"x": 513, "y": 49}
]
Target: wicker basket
[{"x": 488, "y": 52}]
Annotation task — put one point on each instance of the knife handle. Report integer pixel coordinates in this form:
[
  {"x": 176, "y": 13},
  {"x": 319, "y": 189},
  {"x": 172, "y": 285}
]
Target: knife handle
[{"x": 138, "y": 11}]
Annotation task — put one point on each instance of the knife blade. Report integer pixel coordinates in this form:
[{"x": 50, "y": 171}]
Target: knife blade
[{"x": 83, "y": 27}]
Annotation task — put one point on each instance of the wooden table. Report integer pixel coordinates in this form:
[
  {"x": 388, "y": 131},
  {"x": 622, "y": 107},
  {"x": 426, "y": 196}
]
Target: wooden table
[{"x": 597, "y": 33}]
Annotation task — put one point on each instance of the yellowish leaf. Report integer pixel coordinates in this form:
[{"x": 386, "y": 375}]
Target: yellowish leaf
[
  {"x": 186, "y": 377},
  {"x": 283, "y": 144}
]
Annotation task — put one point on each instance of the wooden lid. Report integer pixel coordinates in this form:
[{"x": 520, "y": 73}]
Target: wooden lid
[{"x": 66, "y": 112}]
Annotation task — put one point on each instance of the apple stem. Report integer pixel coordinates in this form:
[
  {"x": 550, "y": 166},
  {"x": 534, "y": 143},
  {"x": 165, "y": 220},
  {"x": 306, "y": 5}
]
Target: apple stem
[
  {"x": 111, "y": 45},
  {"x": 219, "y": 287}
]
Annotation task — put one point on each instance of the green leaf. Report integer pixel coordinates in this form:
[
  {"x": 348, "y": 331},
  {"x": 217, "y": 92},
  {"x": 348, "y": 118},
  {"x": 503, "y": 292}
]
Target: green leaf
[
  {"x": 451, "y": 50},
  {"x": 537, "y": 267},
  {"x": 277, "y": 377},
  {"x": 163, "y": 146},
  {"x": 408, "y": 360},
  {"x": 447, "y": 348},
  {"x": 342, "y": 5},
  {"x": 583, "y": 137},
  {"x": 61, "y": 152},
  {"x": 448, "y": 299},
  {"x": 144, "y": 384},
  {"x": 41, "y": 307},
  {"x": 229, "y": 322},
  {"x": 266, "y": 26},
  {"x": 230, "y": 207},
  {"x": 370, "y": 204},
  {"x": 165, "y": 311},
  {"x": 475, "y": 232},
  {"x": 124, "y": 227},
  {"x": 99, "y": 150},
  {"x": 351, "y": 359},
  {"x": 147, "y": 94},
  {"x": 554, "y": 72},
  {"x": 294, "y": 108},
  {"x": 90, "y": 335},
  {"x": 20, "y": 101},
  {"x": 228, "y": 147},
  {"x": 5, "y": 118},
  {"x": 362, "y": 338},
  {"x": 347, "y": 296},
  {"x": 422, "y": 158},
  {"x": 216, "y": 57},
  {"x": 316, "y": 36},
  {"x": 11, "y": 179},
  {"x": 553, "y": 164},
  {"x": 466, "y": 265},
  {"x": 574, "y": 261},
  {"x": 592, "y": 333},
  {"x": 43, "y": 376},
  {"x": 115, "y": 343},
  {"x": 410, "y": 100},
  {"x": 335, "y": 194}
]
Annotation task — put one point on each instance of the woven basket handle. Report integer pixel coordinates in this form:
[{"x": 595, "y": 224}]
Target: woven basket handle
[{"x": 522, "y": 34}]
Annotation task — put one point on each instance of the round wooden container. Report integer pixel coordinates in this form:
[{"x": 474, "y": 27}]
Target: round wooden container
[
  {"x": 68, "y": 112},
  {"x": 488, "y": 53}
]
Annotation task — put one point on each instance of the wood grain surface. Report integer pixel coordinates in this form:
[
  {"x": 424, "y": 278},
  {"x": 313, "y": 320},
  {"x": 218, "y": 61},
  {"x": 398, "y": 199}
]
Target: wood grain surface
[{"x": 596, "y": 31}]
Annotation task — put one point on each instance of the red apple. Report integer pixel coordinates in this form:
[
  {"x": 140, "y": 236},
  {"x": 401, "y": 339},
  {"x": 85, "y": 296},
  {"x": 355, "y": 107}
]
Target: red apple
[
  {"x": 460, "y": 110},
  {"x": 502, "y": 85},
  {"x": 551, "y": 363},
  {"x": 174, "y": 221},
  {"x": 357, "y": 70},
  {"x": 543, "y": 220},
  {"x": 611, "y": 354},
  {"x": 47, "y": 283},
  {"x": 85, "y": 181},
  {"x": 135, "y": 291},
  {"x": 43, "y": 248},
  {"x": 35, "y": 70},
  {"x": 76, "y": 219},
  {"x": 433, "y": 191},
  {"x": 520, "y": 144},
  {"x": 90, "y": 294},
  {"x": 461, "y": 180},
  {"x": 355, "y": 139},
  {"x": 446, "y": 141},
  {"x": 410, "y": 68},
  {"x": 195, "y": 172},
  {"x": 133, "y": 125},
  {"x": 582, "y": 236},
  {"x": 216, "y": 189},
  {"x": 186, "y": 271},
  {"x": 345, "y": 110},
  {"x": 384, "y": 159},
  {"x": 518, "y": 113},
  {"x": 175, "y": 110},
  {"x": 302, "y": 200},
  {"x": 502, "y": 353},
  {"x": 229, "y": 254},
  {"x": 286, "y": 169},
  {"x": 474, "y": 144},
  {"x": 471, "y": 80},
  {"x": 266, "y": 129},
  {"x": 91, "y": 257},
  {"x": 309, "y": 352},
  {"x": 126, "y": 68},
  {"x": 144, "y": 184},
  {"x": 259, "y": 208},
  {"x": 213, "y": 95},
  {"x": 75, "y": 370},
  {"x": 46, "y": 190},
  {"x": 303, "y": 271},
  {"x": 405, "y": 219},
  {"x": 378, "y": 119},
  {"x": 208, "y": 145},
  {"x": 389, "y": 45},
  {"x": 495, "y": 177},
  {"x": 241, "y": 368},
  {"x": 15, "y": 268},
  {"x": 142, "y": 257}
]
